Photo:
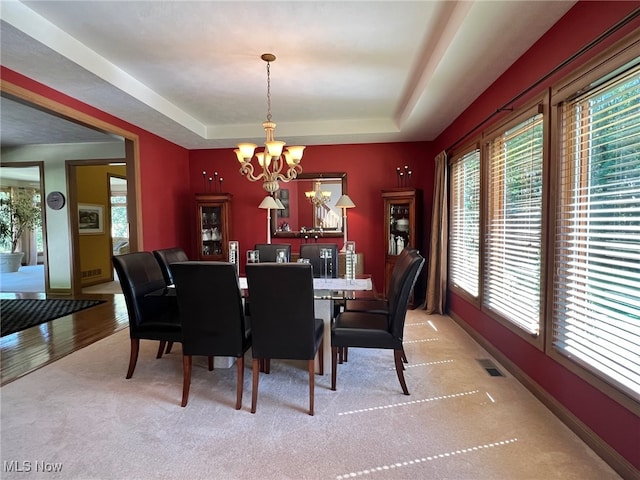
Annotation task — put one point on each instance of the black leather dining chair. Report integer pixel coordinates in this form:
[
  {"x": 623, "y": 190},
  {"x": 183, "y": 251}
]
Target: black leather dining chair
[
  {"x": 378, "y": 330},
  {"x": 269, "y": 251},
  {"x": 151, "y": 317},
  {"x": 166, "y": 257},
  {"x": 380, "y": 305},
  {"x": 283, "y": 322},
  {"x": 213, "y": 321},
  {"x": 321, "y": 268}
]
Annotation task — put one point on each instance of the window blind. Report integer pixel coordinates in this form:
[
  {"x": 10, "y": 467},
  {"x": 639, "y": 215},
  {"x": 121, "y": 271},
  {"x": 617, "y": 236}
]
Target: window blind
[
  {"x": 464, "y": 231},
  {"x": 596, "y": 310},
  {"x": 513, "y": 234}
]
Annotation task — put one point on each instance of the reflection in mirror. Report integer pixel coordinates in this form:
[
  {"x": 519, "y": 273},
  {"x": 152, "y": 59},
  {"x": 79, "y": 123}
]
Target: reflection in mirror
[{"x": 310, "y": 206}]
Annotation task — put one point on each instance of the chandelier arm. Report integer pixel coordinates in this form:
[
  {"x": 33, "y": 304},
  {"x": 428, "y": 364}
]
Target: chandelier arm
[
  {"x": 247, "y": 169},
  {"x": 294, "y": 170},
  {"x": 292, "y": 173}
]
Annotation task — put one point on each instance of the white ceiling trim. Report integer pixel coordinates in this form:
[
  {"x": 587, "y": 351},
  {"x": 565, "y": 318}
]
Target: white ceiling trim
[
  {"x": 435, "y": 47},
  {"x": 39, "y": 28}
]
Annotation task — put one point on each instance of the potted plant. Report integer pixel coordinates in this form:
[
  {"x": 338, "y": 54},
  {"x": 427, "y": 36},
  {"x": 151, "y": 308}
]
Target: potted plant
[{"x": 17, "y": 213}]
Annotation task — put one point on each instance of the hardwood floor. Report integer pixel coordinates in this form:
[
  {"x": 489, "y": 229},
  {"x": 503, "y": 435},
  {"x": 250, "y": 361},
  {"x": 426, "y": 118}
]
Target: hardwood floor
[{"x": 25, "y": 351}]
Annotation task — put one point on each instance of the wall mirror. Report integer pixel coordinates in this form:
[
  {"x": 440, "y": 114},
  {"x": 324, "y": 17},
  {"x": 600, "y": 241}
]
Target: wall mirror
[{"x": 301, "y": 217}]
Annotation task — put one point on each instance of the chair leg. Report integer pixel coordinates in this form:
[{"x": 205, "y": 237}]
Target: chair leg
[
  {"x": 343, "y": 355},
  {"x": 186, "y": 378},
  {"x": 240, "y": 381},
  {"x": 397, "y": 354},
  {"x": 161, "y": 348},
  {"x": 404, "y": 356},
  {"x": 267, "y": 365},
  {"x": 210, "y": 363},
  {"x": 321, "y": 357},
  {"x": 133, "y": 358},
  {"x": 169, "y": 347},
  {"x": 254, "y": 392},
  {"x": 312, "y": 383},
  {"x": 334, "y": 366}
]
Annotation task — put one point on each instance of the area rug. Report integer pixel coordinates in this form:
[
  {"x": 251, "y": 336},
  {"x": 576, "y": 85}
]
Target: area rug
[{"x": 18, "y": 314}]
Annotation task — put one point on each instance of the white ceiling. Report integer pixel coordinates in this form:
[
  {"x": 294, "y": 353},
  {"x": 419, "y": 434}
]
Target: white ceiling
[{"x": 346, "y": 71}]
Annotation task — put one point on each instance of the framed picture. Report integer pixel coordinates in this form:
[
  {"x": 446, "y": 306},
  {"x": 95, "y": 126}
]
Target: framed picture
[
  {"x": 90, "y": 219},
  {"x": 283, "y": 194}
]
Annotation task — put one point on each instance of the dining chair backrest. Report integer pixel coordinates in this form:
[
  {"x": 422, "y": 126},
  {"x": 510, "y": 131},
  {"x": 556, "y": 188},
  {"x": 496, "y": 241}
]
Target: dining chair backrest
[
  {"x": 402, "y": 263},
  {"x": 321, "y": 268},
  {"x": 282, "y": 310},
  {"x": 210, "y": 306},
  {"x": 399, "y": 302},
  {"x": 269, "y": 251},
  {"x": 140, "y": 274},
  {"x": 166, "y": 257}
]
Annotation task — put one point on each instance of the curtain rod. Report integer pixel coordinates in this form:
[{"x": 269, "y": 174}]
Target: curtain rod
[{"x": 559, "y": 67}]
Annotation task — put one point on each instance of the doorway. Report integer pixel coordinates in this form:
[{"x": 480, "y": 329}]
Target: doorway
[
  {"x": 98, "y": 185},
  {"x": 31, "y": 275}
]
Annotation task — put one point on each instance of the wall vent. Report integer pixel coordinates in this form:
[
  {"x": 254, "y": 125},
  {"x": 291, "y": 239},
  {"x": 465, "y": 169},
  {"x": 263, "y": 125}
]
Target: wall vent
[
  {"x": 96, "y": 272},
  {"x": 490, "y": 367}
]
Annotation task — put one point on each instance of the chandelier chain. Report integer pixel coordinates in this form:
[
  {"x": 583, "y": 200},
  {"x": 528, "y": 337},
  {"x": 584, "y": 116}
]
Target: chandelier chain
[{"x": 268, "y": 92}]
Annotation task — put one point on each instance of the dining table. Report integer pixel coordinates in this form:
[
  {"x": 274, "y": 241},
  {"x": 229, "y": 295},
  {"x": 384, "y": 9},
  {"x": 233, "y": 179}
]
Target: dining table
[{"x": 326, "y": 292}]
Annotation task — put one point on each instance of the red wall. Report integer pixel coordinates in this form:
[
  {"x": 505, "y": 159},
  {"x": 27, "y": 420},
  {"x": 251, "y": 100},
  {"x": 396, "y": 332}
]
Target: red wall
[
  {"x": 164, "y": 171},
  {"x": 171, "y": 175},
  {"x": 615, "y": 424},
  {"x": 369, "y": 167}
]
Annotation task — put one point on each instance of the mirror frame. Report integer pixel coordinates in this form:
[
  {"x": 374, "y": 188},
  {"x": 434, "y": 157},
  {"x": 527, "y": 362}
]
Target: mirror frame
[{"x": 312, "y": 233}]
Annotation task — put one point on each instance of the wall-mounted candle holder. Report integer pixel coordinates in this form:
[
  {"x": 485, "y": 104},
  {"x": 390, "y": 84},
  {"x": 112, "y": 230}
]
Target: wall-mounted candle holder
[{"x": 403, "y": 176}]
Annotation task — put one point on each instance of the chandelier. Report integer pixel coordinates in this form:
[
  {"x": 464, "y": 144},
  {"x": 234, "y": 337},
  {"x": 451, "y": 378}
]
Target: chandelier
[
  {"x": 317, "y": 197},
  {"x": 272, "y": 159}
]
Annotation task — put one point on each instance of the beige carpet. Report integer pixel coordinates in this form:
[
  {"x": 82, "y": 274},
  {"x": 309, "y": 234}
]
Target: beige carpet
[{"x": 80, "y": 416}]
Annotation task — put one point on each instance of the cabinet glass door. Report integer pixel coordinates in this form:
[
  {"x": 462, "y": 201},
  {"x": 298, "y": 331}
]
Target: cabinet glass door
[
  {"x": 399, "y": 227},
  {"x": 211, "y": 230}
]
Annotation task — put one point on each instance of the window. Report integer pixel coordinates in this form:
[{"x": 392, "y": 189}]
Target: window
[
  {"x": 5, "y": 196},
  {"x": 513, "y": 232},
  {"x": 464, "y": 249},
  {"x": 596, "y": 300},
  {"x": 119, "y": 222},
  {"x": 33, "y": 236},
  {"x": 37, "y": 198}
]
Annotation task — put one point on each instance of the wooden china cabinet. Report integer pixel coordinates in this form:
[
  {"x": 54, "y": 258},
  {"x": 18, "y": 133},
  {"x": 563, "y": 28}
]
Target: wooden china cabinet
[
  {"x": 213, "y": 223},
  {"x": 402, "y": 215}
]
